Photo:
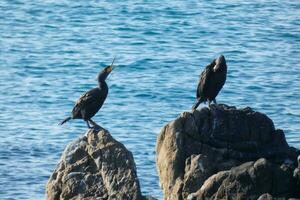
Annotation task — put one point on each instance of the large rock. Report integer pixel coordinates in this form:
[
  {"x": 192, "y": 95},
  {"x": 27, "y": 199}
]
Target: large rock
[
  {"x": 197, "y": 145},
  {"x": 248, "y": 181},
  {"x": 296, "y": 176},
  {"x": 95, "y": 166}
]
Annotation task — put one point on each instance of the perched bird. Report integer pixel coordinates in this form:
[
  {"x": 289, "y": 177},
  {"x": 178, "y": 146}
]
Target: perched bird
[
  {"x": 211, "y": 81},
  {"x": 90, "y": 102}
]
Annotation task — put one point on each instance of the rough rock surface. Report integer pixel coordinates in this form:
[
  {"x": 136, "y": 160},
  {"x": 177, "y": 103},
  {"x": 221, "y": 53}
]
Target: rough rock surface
[
  {"x": 265, "y": 196},
  {"x": 95, "y": 166},
  {"x": 296, "y": 176},
  {"x": 199, "y": 152},
  {"x": 248, "y": 181}
]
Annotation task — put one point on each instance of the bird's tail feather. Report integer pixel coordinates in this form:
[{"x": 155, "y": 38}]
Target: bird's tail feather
[
  {"x": 65, "y": 120},
  {"x": 195, "y": 106}
]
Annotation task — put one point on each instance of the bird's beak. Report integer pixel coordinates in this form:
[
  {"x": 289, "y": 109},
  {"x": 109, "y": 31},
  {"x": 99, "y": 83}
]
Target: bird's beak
[{"x": 111, "y": 67}]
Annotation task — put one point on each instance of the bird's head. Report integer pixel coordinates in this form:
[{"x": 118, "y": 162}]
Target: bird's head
[
  {"x": 220, "y": 63},
  {"x": 105, "y": 72}
]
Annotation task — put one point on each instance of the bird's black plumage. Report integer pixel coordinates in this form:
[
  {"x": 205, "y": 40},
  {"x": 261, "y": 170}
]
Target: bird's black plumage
[
  {"x": 90, "y": 102},
  {"x": 211, "y": 81}
]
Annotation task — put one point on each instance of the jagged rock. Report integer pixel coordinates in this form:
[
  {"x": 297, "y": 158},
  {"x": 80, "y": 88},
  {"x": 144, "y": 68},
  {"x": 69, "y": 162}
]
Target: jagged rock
[
  {"x": 296, "y": 176},
  {"x": 265, "y": 196},
  {"x": 248, "y": 181},
  {"x": 197, "y": 145},
  {"x": 95, "y": 166}
]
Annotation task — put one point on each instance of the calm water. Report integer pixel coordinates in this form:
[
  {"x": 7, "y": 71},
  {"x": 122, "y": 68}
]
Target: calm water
[{"x": 51, "y": 51}]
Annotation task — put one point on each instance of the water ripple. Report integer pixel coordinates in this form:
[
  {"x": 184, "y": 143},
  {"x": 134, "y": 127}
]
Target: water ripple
[{"x": 51, "y": 52}]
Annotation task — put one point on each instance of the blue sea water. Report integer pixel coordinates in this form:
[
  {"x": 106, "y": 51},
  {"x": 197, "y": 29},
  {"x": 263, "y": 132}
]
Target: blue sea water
[{"x": 51, "y": 51}]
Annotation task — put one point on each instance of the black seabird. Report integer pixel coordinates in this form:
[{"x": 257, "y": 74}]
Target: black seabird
[
  {"x": 90, "y": 102},
  {"x": 211, "y": 81}
]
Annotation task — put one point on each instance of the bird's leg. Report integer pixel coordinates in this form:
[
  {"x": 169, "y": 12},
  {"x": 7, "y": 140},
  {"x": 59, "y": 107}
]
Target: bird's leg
[
  {"x": 87, "y": 122},
  {"x": 197, "y": 103},
  {"x": 209, "y": 102},
  {"x": 95, "y": 125},
  {"x": 215, "y": 102}
]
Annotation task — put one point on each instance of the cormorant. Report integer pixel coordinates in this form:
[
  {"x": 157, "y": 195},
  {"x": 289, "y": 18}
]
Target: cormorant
[
  {"x": 90, "y": 102},
  {"x": 211, "y": 81}
]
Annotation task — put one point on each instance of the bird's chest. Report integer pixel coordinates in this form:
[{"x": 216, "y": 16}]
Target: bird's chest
[
  {"x": 218, "y": 79},
  {"x": 102, "y": 95},
  {"x": 98, "y": 101}
]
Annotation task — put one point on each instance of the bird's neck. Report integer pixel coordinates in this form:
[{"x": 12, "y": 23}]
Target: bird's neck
[{"x": 102, "y": 84}]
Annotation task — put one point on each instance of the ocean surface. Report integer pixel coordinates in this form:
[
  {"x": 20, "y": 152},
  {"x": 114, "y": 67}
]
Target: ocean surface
[{"x": 51, "y": 52}]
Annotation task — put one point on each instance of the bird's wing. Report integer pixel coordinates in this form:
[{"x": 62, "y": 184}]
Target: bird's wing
[
  {"x": 205, "y": 78},
  {"x": 84, "y": 100},
  {"x": 204, "y": 81}
]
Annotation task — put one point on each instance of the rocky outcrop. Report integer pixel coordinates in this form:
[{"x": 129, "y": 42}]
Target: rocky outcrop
[
  {"x": 95, "y": 166},
  {"x": 296, "y": 176},
  {"x": 248, "y": 181},
  {"x": 216, "y": 153}
]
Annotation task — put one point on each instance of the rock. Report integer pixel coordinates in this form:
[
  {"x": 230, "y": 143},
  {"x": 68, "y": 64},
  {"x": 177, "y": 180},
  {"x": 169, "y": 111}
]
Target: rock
[
  {"x": 265, "y": 196},
  {"x": 248, "y": 181},
  {"x": 95, "y": 166},
  {"x": 199, "y": 145},
  {"x": 296, "y": 176}
]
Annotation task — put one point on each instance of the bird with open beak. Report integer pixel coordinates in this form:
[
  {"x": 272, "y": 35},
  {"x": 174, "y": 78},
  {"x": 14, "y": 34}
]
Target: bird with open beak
[{"x": 90, "y": 102}]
